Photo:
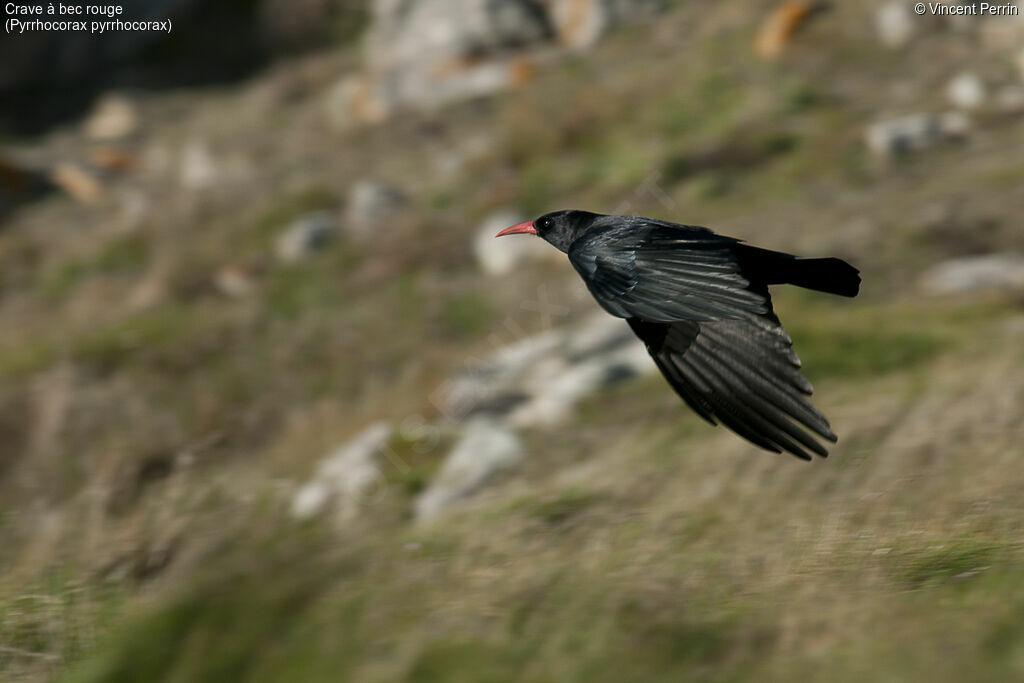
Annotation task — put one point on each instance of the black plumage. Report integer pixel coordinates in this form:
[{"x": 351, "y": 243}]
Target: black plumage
[{"x": 700, "y": 303}]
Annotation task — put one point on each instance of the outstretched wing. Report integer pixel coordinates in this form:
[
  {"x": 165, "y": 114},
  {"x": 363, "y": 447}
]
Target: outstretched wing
[
  {"x": 664, "y": 273},
  {"x": 743, "y": 373}
]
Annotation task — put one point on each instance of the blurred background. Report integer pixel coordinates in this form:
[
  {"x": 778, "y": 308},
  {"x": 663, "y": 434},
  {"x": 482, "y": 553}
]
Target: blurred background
[{"x": 275, "y": 405}]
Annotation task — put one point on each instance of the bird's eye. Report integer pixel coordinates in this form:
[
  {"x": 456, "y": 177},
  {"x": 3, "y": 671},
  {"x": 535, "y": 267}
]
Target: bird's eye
[{"x": 545, "y": 224}]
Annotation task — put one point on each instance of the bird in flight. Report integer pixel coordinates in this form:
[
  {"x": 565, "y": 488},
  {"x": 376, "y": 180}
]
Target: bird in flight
[{"x": 700, "y": 303}]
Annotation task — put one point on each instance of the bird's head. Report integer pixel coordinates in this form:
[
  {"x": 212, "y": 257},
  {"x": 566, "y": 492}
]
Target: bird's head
[{"x": 558, "y": 228}]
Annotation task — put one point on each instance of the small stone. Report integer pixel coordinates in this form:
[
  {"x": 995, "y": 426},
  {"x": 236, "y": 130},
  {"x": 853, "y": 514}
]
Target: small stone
[
  {"x": 371, "y": 205},
  {"x": 500, "y": 257},
  {"x": 235, "y": 281},
  {"x": 1003, "y": 272},
  {"x": 894, "y": 24},
  {"x": 345, "y": 476},
  {"x": 966, "y": 91},
  {"x": 198, "y": 169},
  {"x": 114, "y": 117},
  {"x": 485, "y": 449},
  {"x": 305, "y": 236}
]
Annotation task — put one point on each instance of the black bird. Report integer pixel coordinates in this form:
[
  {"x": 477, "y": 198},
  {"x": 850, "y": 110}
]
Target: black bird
[{"x": 700, "y": 303}]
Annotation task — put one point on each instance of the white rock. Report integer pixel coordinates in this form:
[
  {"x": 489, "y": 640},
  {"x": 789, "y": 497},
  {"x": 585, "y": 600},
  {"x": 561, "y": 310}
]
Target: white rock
[
  {"x": 971, "y": 273},
  {"x": 198, "y": 169},
  {"x": 894, "y": 23},
  {"x": 371, "y": 205},
  {"x": 966, "y": 91},
  {"x": 502, "y": 256},
  {"x": 113, "y": 117},
  {"x": 345, "y": 476},
  {"x": 484, "y": 449},
  {"x": 305, "y": 236}
]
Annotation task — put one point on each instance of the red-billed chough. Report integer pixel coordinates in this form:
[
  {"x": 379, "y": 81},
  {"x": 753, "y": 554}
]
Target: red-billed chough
[{"x": 700, "y": 303}]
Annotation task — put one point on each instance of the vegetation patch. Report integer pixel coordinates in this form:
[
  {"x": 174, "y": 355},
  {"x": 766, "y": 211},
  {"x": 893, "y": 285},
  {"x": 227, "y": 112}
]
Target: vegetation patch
[
  {"x": 564, "y": 507},
  {"x": 943, "y": 564}
]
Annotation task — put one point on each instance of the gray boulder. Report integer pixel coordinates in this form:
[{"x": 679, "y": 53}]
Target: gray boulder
[{"x": 306, "y": 236}]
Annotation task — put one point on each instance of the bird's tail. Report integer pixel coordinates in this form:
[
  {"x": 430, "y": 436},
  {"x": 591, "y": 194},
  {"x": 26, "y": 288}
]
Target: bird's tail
[{"x": 831, "y": 275}]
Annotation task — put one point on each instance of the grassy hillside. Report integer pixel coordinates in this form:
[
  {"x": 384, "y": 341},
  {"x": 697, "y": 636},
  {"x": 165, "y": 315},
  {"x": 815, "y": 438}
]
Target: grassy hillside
[{"x": 154, "y": 429}]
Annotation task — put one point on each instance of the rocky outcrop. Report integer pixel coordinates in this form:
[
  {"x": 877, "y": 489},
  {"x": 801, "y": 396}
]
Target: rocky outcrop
[{"x": 427, "y": 53}]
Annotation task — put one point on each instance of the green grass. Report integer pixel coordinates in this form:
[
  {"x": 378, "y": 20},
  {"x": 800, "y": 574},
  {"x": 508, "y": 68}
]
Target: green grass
[
  {"x": 27, "y": 360},
  {"x": 946, "y": 563},
  {"x": 850, "y": 340},
  {"x": 564, "y": 507},
  {"x": 466, "y": 316},
  {"x": 56, "y": 618},
  {"x": 123, "y": 255},
  {"x": 859, "y": 354},
  {"x": 412, "y": 459},
  {"x": 168, "y": 338},
  {"x": 295, "y": 290}
]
